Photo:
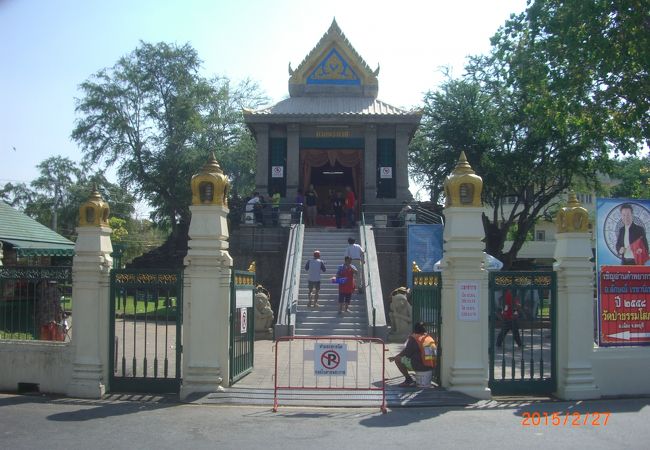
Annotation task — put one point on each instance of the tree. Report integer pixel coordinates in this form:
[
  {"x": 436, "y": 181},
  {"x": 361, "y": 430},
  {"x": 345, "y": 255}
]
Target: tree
[
  {"x": 604, "y": 47},
  {"x": 54, "y": 197},
  {"x": 531, "y": 134},
  {"x": 634, "y": 174},
  {"x": 157, "y": 119}
]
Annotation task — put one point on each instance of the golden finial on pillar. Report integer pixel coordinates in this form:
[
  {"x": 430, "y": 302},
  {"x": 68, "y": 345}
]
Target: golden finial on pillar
[
  {"x": 94, "y": 211},
  {"x": 463, "y": 187},
  {"x": 210, "y": 185},
  {"x": 251, "y": 268},
  {"x": 415, "y": 267},
  {"x": 573, "y": 217}
]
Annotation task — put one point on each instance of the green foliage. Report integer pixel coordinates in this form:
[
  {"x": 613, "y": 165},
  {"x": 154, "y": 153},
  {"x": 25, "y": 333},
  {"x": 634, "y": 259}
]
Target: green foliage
[
  {"x": 531, "y": 120},
  {"x": 155, "y": 118},
  {"x": 634, "y": 176},
  {"x": 54, "y": 197}
]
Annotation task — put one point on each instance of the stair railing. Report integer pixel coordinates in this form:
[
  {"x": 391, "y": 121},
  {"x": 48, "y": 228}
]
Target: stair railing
[
  {"x": 376, "y": 310},
  {"x": 285, "y": 324}
]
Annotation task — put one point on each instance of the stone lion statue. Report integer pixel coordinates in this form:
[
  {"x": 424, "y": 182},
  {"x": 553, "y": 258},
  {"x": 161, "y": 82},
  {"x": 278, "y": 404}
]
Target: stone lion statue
[
  {"x": 263, "y": 312},
  {"x": 400, "y": 312}
]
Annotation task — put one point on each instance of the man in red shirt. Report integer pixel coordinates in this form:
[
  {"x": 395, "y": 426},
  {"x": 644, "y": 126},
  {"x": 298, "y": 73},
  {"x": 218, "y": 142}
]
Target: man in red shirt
[
  {"x": 345, "y": 279},
  {"x": 509, "y": 317},
  {"x": 350, "y": 202}
]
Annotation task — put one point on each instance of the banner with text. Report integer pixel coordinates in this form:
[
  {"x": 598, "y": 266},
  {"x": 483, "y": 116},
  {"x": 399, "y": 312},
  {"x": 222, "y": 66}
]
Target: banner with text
[{"x": 624, "y": 306}]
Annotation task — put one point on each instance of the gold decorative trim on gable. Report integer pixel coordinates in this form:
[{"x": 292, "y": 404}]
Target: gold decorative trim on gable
[
  {"x": 573, "y": 218},
  {"x": 94, "y": 211},
  {"x": 210, "y": 186},
  {"x": 463, "y": 187}
]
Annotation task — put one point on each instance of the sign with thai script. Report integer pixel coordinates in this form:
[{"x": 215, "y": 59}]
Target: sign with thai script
[
  {"x": 624, "y": 307},
  {"x": 330, "y": 358},
  {"x": 468, "y": 300},
  {"x": 332, "y": 133}
]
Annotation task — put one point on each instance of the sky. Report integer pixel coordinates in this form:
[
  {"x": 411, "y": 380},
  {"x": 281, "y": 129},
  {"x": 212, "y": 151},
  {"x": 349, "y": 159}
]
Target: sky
[{"x": 49, "y": 47}]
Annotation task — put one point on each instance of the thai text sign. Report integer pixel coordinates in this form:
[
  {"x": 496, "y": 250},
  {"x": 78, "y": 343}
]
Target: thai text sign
[
  {"x": 330, "y": 358},
  {"x": 624, "y": 308},
  {"x": 469, "y": 296}
]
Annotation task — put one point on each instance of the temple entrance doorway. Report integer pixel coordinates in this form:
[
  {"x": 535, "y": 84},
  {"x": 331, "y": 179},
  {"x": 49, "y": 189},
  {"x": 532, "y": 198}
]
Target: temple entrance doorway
[{"x": 330, "y": 171}]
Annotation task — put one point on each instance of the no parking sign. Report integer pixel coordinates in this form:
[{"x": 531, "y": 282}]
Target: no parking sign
[{"x": 330, "y": 359}]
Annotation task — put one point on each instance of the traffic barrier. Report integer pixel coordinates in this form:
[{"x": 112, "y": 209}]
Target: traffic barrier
[{"x": 330, "y": 371}]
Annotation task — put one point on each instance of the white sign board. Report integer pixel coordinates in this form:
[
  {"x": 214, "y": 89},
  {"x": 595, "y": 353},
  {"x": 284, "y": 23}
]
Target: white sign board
[
  {"x": 468, "y": 297},
  {"x": 244, "y": 320},
  {"x": 244, "y": 298},
  {"x": 385, "y": 172},
  {"x": 277, "y": 171},
  {"x": 330, "y": 358}
]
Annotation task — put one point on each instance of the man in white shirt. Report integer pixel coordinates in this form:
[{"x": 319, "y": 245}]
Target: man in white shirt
[
  {"x": 356, "y": 253},
  {"x": 255, "y": 206},
  {"x": 314, "y": 267}
]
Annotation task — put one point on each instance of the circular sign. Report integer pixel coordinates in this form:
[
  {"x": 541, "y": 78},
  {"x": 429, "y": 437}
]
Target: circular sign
[{"x": 330, "y": 359}]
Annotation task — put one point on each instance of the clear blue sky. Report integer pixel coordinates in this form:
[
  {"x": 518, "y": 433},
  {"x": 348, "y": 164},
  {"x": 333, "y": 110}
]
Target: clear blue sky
[{"x": 50, "y": 47}]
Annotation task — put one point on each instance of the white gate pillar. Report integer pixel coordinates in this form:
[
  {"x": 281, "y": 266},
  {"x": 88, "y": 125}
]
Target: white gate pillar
[
  {"x": 464, "y": 356},
  {"x": 206, "y": 294},
  {"x": 91, "y": 267},
  {"x": 575, "y": 315}
]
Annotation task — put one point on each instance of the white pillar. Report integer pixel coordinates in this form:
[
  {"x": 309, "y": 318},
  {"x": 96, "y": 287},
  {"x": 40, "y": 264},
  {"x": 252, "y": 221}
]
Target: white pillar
[
  {"x": 464, "y": 355},
  {"x": 91, "y": 267},
  {"x": 206, "y": 302},
  {"x": 575, "y": 317}
]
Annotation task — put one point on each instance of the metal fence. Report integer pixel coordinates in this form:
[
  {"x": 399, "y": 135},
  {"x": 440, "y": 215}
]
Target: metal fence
[
  {"x": 242, "y": 324},
  {"x": 35, "y": 303},
  {"x": 426, "y": 296},
  {"x": 329, "y": 371},
  {"x": 522, "y": 332},
  {"x": 146, "y": 311}
]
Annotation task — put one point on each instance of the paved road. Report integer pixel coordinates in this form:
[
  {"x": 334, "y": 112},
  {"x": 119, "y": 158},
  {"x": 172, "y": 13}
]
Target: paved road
[{"x": 42, "y": 423}]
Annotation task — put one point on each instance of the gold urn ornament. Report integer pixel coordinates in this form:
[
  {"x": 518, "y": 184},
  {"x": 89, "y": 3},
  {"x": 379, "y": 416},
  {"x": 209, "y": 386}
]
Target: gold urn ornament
[
  {"x": 463, "y": 187},
  {"x": 94, "y": 211},
  {"x": 210, "y": 185},
  {"x": 573, "y": 218}
]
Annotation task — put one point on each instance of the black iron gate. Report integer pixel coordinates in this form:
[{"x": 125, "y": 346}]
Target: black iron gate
[
  {"x": 242, "y": 324},
  {"x": 146, "y": 310},
  {"x": 426, "y": 298},
  {"x": 522, "y": 332}
]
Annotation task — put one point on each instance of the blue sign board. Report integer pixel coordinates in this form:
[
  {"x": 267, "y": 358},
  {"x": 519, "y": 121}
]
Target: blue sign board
[{"x": 424, "y": 247}]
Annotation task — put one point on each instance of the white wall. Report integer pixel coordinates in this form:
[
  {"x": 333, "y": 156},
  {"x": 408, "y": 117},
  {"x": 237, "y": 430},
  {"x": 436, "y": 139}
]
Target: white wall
[
  {"x": 622, "y": 370},
  {"x": 48, "y": 364}
]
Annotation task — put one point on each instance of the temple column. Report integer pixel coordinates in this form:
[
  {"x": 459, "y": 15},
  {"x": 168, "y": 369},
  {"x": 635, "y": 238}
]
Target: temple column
[
  {"x": 401, "y": 163},
  {"x": 370, "y": 164},
  {"x": 575, "y": 319},
  {"x": 262, "y": 172},
  {"x": 206, "y": 293},
  {"x": 293, "y": 160},
  {"x": 464, "y": 343},
  {"x": 91, "y": 267}
]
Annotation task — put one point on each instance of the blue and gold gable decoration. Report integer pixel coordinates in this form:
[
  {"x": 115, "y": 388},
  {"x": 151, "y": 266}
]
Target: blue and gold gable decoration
[{"x": 333, "y": 67}]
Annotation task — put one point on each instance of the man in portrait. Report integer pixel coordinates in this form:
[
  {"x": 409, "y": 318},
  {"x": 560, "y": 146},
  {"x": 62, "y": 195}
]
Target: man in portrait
[{"x": 632, "y": 244}]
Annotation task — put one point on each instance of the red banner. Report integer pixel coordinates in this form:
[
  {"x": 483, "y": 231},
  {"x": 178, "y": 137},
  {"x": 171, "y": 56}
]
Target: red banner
[{"x": 624, "y": 307}]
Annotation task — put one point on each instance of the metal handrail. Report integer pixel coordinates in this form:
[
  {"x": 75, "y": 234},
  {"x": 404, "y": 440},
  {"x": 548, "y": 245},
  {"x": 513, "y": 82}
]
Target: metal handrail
[
  {"x": 292, "y": 263},
  {"x": 393, "y": 218},
  {"x": 368, "y": 289}
]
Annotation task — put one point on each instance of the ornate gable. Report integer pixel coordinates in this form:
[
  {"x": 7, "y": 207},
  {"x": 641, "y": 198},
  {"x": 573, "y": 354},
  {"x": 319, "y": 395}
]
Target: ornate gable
[{"x": 333, "y": 67}]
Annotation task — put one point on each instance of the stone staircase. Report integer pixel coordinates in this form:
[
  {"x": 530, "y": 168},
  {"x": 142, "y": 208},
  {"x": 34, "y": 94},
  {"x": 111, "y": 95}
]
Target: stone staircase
[{"x": 325, "y": 321}]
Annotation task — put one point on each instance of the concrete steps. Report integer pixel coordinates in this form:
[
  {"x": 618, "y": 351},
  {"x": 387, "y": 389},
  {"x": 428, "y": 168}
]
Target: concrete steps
[{"x": 325, "y": 320}]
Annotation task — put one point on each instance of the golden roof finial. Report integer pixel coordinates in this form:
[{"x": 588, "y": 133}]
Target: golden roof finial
[
  {"x": 463, "y": 187},
  {"x": 210, "y": 185},
  {"x": 573, "y": 217}
]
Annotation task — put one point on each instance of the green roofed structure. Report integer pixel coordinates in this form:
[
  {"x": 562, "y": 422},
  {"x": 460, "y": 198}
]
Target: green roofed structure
[{"x": 24, "y": 236}]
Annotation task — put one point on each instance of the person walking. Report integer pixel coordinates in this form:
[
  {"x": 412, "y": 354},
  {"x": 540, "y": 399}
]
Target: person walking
[
  {"x": 311, "y": 200},
  {"x": 345, "y": 279},
  {"x": 357, "y": 255},
  {"x": 275, "y": 207},
  {"x": 419, "y": 354},
  {"x": 510, "y": 319},
  {"x": 350, "y": 202},
  {"x": 314, "y": 267}
]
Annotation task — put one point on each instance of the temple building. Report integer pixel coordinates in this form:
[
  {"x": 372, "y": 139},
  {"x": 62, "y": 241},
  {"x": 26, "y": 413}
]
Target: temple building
[{"x": 333, "y": 131}]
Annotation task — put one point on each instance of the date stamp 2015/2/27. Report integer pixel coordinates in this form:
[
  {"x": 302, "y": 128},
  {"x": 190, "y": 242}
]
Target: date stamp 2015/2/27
[{"x": 564, "y": 419}]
